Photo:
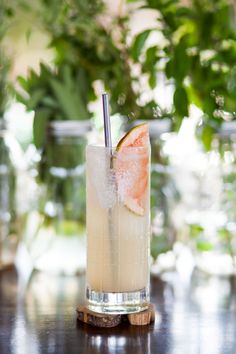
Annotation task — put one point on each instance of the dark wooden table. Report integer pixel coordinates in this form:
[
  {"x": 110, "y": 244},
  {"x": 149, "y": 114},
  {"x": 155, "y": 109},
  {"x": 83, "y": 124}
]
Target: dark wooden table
[{"x": 39, "y": 317}]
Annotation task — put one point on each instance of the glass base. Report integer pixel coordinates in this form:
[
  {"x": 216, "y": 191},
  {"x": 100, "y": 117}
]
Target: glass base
[{"x": 117, "y": 303}]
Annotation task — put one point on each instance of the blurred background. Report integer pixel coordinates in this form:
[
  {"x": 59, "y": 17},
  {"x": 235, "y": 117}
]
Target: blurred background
[{"x": 171, "y": 63}]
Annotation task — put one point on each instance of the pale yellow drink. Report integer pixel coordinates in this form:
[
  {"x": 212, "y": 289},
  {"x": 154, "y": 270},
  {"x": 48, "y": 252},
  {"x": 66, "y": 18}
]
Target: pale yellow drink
[{"x": 118, "y": 232}]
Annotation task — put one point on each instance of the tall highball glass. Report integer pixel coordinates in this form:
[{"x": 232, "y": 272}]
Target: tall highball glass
[{"x": 118, "y": 229}]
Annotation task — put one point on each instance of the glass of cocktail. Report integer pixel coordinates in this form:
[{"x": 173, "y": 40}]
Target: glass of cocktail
[{"x": 118, "y": 224}]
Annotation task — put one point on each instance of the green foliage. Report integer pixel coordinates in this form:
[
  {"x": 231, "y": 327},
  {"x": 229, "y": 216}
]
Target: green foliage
[
  {"x": 199, "y": 56},
  {"x": 5, "y": 15},
  {"x": 195, "y": 230},
  {"x": 204, "y": 245},
  {"x": 53, "y": 95},
  {"x": 197, "y": 235},
  {"x": 8, "y": 12},
  {"x": 86, "y": 51},
  {"x": 227, "y": 242},
  {"x": 159, "y": 245},
  {"x": 139, "y": 43},
  {"x": 181, "y": 102},
  {"x": 207, "y": 133},
  {"x": 7, "y": 181},
  {"x": 40, "y": 126},
  {"x": 4, "y": 68}
]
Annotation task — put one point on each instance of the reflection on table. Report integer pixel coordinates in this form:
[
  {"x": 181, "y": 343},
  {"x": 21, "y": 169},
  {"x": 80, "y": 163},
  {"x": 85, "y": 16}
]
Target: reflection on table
[{"x": 198, "y": 318}]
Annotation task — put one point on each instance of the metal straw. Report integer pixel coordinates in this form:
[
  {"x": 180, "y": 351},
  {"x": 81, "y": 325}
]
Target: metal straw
[
  {"x": 106, "y": 119},
  {"x": 108, "y": 144}
]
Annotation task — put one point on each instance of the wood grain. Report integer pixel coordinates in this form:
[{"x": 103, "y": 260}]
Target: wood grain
[
  {"x": 96, "y": 319},
  {"x": 142, "y": 318}
]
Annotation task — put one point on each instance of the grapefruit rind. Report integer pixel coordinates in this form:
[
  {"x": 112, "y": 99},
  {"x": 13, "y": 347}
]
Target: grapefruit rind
[
  {"x": 137, "y": 136},
  {"x": 133, "y": 194}
]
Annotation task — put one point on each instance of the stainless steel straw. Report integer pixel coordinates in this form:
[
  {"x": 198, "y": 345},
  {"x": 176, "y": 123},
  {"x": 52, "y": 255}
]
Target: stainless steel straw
[
  {"x": 108, "y": 144},
  {"x": 107, "y": 123}
]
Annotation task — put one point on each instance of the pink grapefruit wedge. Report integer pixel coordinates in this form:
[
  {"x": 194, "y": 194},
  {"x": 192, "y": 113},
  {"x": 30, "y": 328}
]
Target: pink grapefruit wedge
[{"x": 131, "y": 168}]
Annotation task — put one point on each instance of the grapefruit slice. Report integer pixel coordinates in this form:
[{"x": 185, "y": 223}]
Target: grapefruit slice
[{"x": 131, "y": 168}]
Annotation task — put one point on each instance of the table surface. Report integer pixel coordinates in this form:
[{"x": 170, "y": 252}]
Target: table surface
[{"x": 193, "y": 317}]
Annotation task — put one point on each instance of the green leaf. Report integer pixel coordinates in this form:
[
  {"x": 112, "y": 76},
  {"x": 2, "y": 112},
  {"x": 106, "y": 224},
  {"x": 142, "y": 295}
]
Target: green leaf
[
  {"x": 151, "y": 57},
  {"x": 185, "y": 12},
  {"x": 207, "y": 136},
  {"x": 181, "y": 102},
  {"x": 195, "y": 230},
  {"x": 35, "y": 97},
  {"x": 70, "y": 228},
  {"x": 169, "y": 69},
  {"x": 138, "y": 44},
  {"x": 153, "y": 79},
  {"x": 161, "y": 4},
  {"x": 23, "y": 82},
  {"x": 68, "y": 97},
  {"x": 204, "y": 246},
  {"x": 225, "y": 234},
  {"x": 159, "y": 244},
  {"x": 21, "y": 98},
  {"x": 45, "y": 70},
  {"x": 41, "y": 119},
  {"x": 50, "y": 102},
  {"x": 180, "y": 62}
]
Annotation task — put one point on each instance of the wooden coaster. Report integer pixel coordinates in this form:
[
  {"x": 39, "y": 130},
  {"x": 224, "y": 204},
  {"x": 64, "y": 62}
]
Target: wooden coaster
[
  {"x": 102, "y": 320},
  {"x": 142, "y": 318},
  {"x": 97, "y": 319}
]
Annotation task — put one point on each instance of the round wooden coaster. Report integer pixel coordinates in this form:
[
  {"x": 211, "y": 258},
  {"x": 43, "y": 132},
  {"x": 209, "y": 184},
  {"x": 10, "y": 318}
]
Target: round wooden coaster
[{"x": 107, "y": 321}]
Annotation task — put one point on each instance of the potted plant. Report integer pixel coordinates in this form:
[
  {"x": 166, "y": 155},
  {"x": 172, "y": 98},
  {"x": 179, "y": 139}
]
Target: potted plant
[
  {"x": 59, "y": 94},
  {"x": 197, "y": 56}
]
